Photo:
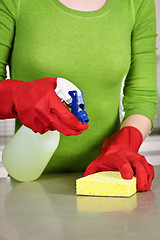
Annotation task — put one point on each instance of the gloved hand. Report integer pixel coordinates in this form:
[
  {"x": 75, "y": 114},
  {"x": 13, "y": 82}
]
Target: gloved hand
[
  {"x": 120, "y": 153},
  {"x": 37, "y": 106}
]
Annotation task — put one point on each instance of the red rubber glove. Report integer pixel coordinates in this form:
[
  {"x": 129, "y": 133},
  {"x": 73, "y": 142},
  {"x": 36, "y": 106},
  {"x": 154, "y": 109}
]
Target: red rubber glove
[
  {"x": 37, "y": 106},
  {"x": 120, "y": 153}
]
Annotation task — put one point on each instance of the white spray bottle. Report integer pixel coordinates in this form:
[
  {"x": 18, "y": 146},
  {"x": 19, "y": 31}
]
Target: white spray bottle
[{"x": 27, "y": 153}]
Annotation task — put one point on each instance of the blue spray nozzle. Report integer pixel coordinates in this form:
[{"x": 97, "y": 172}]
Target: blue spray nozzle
[
  {"x": 82, "y": 116},
  {"x": 77, "y": 106}
]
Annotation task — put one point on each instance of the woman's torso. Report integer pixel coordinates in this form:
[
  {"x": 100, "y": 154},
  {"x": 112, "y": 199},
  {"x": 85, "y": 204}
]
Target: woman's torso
[{"x": 92, "y": 50}]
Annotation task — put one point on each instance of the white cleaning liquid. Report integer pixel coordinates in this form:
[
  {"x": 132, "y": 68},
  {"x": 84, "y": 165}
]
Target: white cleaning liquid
[{"x": 27, "y": 154}]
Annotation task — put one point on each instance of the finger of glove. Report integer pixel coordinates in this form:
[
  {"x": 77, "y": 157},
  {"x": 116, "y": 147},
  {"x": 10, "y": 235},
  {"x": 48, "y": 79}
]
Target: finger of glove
[
  {"x": 111, "y": 163},
  {"x": 34, "y": 124},
  {"x": 65, "y": 115},
  {"x": 142, "y": 175},
  {"x": 93, "y": 166},
  {"x": 38, "y": 127},
  {"x": 149, "y": 170},
  {"x": 70, "y": 120},
  {"x": 63, "y": 128},
  {"x": 117, "y": 160},
  {"x": 89, "y": 171},
  {"x": 52, "y": 120},
  {"x": 125, "y": 170},
  {"x": 152, "y": 170},
  {"x": 124, "y": 166},
  {"x": 43, "y": 124}
]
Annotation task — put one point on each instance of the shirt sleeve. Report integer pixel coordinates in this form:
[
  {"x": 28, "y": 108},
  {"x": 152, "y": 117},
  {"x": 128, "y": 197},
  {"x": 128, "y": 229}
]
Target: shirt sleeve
[
  {"x": 140, "y": 86},
  {"x": 8, "y": 17}
]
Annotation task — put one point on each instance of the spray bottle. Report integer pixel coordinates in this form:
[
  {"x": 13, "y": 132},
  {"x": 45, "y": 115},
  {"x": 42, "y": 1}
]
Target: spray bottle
[{"x": 27, "y": 153}]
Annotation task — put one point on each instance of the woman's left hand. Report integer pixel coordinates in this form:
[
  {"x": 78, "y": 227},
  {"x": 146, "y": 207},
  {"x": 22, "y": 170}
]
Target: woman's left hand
[{"x": 120, "y": 153}]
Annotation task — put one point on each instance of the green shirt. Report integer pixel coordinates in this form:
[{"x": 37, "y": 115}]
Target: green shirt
[{"x": 94, "y": 50}]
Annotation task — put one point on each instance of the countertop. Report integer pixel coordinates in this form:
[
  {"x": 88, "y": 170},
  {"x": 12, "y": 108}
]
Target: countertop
[{"x": 49, "y": 209}]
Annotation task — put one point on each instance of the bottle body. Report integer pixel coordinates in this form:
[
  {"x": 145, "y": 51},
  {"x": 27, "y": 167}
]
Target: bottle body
[{"x": 27, "y": 154}]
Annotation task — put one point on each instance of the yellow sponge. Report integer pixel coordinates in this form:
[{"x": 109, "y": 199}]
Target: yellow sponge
[{"x": 108, "y": 183}]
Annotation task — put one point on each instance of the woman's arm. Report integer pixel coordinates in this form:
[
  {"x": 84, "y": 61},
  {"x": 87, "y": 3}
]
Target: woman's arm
[
  {"x": 141, "y": 122},
  {"x": 119, "y": 152}
]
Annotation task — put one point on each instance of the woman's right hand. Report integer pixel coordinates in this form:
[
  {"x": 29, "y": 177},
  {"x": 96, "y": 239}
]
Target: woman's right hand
[{"x": 37, "y": 106}]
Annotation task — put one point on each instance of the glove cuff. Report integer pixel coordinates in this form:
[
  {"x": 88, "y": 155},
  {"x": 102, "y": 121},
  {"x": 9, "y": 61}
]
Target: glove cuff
[
  {"x": 129, "y": 138},
  {"x": 132, "y": 138}
]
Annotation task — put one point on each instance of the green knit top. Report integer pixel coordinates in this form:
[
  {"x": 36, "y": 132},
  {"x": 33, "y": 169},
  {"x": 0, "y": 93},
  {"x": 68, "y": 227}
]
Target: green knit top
[{"x": 96, "y": 51}]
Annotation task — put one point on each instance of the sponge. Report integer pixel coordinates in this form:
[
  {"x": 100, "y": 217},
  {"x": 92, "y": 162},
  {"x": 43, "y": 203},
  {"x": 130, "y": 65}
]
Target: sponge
[{"x": 106, "y": 183}]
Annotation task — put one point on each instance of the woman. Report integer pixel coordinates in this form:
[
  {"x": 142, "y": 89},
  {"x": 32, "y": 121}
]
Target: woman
[{"x": 95, "y": 45}]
